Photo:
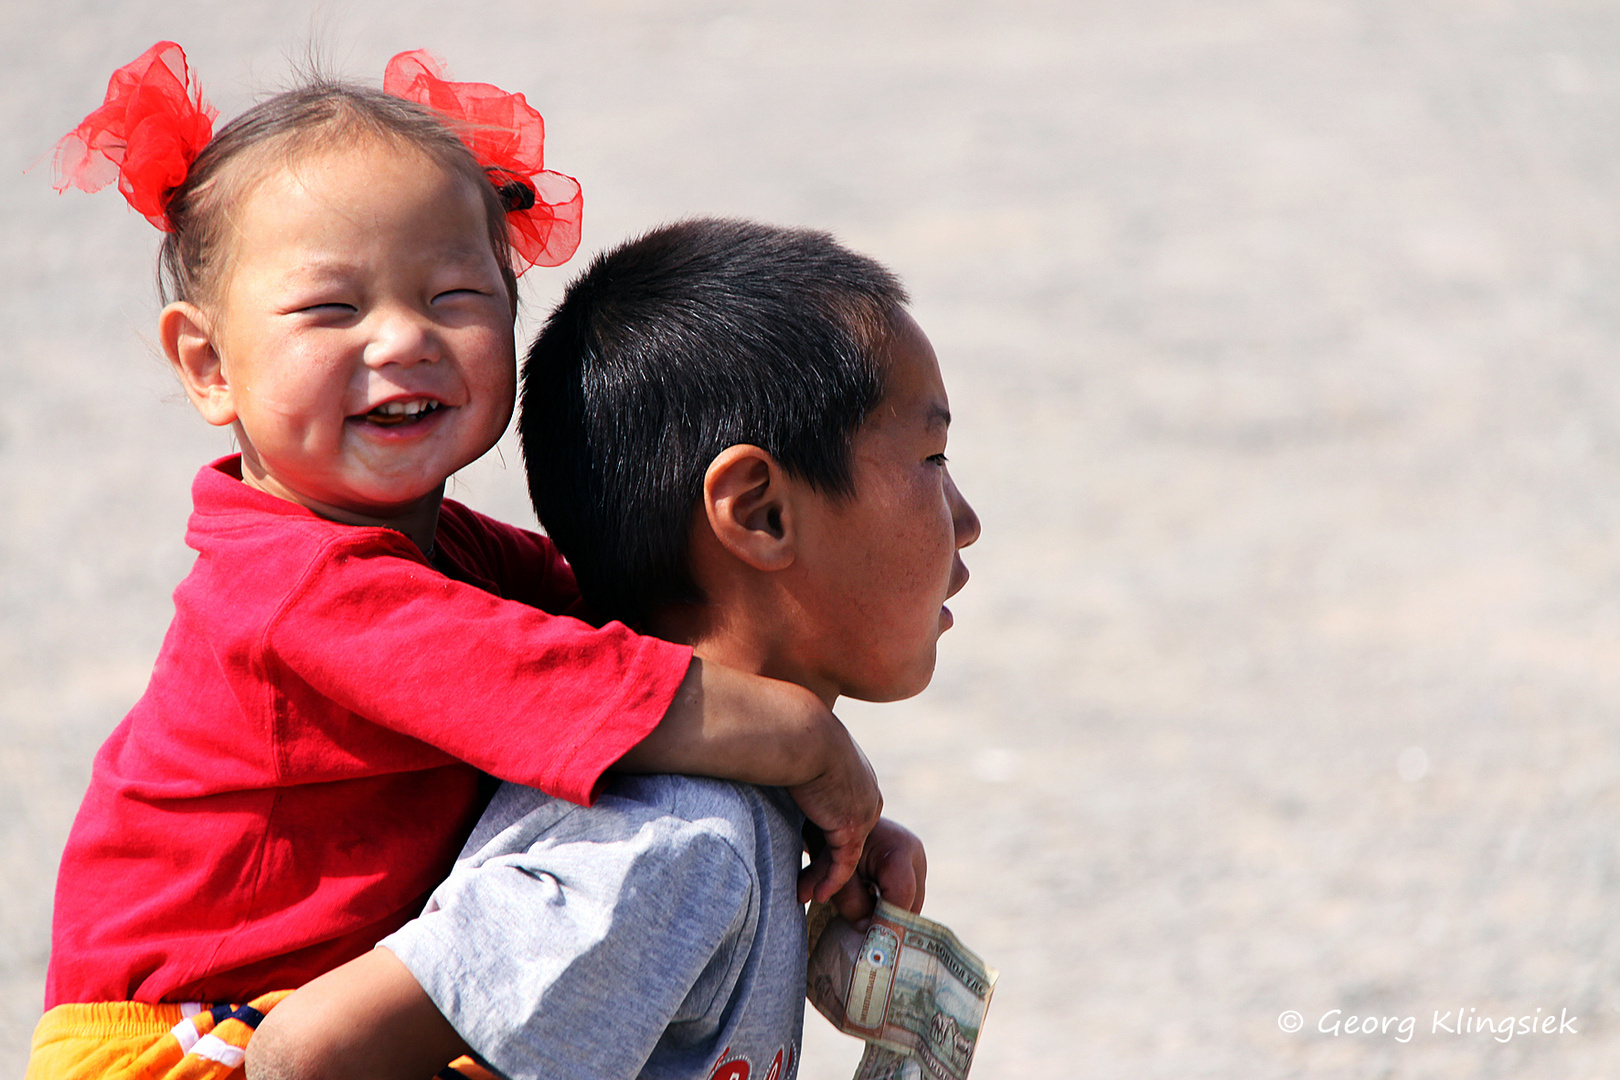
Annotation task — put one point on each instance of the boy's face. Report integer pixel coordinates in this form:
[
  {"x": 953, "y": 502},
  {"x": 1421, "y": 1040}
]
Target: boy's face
[
  {"x": 365, "y": 330},
  {"x": 876, "y": 568}
]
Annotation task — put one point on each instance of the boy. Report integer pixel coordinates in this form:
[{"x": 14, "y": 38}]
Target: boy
[{"x": 736, "y": 434}]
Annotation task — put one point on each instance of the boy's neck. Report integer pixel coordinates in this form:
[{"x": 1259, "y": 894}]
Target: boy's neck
[{"x": 735, "y": 642}]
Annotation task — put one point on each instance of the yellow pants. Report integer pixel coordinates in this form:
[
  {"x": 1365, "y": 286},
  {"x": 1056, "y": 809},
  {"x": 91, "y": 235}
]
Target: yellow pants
[{"x": 128, "y": 1040}]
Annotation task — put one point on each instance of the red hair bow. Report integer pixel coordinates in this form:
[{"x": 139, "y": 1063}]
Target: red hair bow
[
  {"x": 151, "y": 127},
  {"x": 507, "y": 136}
]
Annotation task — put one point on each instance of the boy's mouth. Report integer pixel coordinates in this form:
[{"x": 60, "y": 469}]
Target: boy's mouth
[{"x": 395, "y": 413}]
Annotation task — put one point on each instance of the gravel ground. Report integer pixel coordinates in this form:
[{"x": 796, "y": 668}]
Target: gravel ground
[{"x": 1280, "y": 341}]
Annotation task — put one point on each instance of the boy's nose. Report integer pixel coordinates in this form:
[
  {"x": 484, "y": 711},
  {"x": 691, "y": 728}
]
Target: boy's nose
[{"x": 963, "y": 519}]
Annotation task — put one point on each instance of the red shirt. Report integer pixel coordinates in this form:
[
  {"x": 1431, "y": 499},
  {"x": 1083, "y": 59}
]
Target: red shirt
[{"x": 307, "y": 759}]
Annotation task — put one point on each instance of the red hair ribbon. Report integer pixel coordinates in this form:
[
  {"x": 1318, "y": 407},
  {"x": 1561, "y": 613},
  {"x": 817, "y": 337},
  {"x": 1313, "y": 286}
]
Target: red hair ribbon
[
  {"x": 146, "y": 134},
  {"x": 507, "y": 136}
]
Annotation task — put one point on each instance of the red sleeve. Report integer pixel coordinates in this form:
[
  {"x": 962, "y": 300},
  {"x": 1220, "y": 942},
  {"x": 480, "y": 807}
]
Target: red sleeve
[
  {"x": 539, "y": 699},
  {"x": 509, "y": 561}
]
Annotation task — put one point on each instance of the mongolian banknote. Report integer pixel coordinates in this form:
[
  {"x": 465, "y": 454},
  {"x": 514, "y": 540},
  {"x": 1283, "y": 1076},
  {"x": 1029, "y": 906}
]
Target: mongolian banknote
[{"x": 906, "y": 986}]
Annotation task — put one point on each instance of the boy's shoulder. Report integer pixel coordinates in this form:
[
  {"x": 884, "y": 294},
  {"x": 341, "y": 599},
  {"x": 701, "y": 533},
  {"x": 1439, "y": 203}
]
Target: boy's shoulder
[
  {"x": 658, "y": 814},
  {"x": 665, "y": 856},
  {"x": 672, "y": 897}
]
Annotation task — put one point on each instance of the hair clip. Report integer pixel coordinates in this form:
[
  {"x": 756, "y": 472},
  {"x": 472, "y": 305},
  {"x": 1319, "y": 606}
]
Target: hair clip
[
  {"x": 516, "y": 195},
  {"x": 507, "y": 136},
  {"x": 146, "y": 134}
]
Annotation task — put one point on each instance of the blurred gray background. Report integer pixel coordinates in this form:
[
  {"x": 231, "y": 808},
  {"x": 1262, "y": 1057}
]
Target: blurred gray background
[{"x": 1280, "y": 339}]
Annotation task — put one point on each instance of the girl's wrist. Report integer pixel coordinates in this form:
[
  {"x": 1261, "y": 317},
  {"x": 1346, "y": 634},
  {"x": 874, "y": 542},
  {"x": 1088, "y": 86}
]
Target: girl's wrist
[{"x": 814, "y": 742}]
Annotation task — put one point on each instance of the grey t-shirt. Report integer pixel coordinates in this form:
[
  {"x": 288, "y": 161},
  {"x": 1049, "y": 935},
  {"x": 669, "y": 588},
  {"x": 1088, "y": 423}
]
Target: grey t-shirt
[{"x": 657, "y": 933}]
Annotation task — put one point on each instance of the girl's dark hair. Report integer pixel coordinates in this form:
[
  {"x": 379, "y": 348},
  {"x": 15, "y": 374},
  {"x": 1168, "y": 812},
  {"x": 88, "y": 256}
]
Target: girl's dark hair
[
  {"x": 281, "y": 130},
  {"x": 672, "y": 347}
]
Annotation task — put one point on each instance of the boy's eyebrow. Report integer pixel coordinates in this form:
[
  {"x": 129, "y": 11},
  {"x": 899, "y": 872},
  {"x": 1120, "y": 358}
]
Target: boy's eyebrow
[{"x": 938, "y": 414}]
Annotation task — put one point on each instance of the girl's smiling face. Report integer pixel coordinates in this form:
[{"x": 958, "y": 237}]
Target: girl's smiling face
[{"x": 361, "y": 343}]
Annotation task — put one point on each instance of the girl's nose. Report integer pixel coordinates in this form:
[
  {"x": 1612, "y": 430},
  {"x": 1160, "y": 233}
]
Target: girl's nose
[{"x": 401, "y": 337}]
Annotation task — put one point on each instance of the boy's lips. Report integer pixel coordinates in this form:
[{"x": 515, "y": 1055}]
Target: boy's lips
[{"x": 959, "y": 578}]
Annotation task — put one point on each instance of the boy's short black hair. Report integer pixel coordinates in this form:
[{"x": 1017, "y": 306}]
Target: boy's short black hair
[{"x": 668, "y": 349}]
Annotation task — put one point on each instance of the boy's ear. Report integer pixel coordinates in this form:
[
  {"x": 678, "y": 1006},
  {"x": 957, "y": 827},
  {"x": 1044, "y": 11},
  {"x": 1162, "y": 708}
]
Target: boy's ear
[
  {"x": 749, "y": 508},
  {"x": 187, "y": 335}
]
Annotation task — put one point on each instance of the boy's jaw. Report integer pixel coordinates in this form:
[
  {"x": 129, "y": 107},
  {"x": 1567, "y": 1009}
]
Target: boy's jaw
[
  {"x": 752, "y": 638},
  {"x": 778, "y": 625}
]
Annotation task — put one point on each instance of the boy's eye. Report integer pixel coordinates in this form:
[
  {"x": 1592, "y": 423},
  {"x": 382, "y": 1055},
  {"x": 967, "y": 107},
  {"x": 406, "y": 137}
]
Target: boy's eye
[
  {"x": 938, "y": 459},
  {"x": 332, "y": 308},
  {"x": 452, "y": 294}
]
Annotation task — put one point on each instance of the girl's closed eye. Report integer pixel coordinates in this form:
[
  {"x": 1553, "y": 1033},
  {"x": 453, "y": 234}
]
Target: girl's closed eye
[
  {"x": 316, "y": 301},
  {"x": 466, "y": 292},
  {"x": 938, "y": 459}
]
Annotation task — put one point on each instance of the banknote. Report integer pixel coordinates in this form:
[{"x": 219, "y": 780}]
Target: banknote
[
  {"x": 907, "y": 986},
  {"x": 881, "y": 1064}
]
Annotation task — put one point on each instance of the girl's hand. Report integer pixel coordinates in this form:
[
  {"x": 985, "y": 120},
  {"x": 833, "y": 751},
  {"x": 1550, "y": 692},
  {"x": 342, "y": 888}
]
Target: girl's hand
[
  {"x": 892, "y": 864},
  {"x": 844, "y": 804}
]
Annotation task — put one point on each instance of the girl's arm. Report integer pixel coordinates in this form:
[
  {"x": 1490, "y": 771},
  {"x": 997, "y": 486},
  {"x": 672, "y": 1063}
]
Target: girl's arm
[
  {"x": 539, "y": 687},
  {"x": 728, "y": 724}
]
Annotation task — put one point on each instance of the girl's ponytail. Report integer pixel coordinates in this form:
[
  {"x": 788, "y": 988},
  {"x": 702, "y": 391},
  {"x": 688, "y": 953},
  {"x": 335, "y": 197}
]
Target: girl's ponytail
[{"x": 146, "y": 134}]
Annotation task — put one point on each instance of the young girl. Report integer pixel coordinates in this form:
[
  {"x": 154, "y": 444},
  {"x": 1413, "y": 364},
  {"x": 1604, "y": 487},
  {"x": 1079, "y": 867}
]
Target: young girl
[{"x": 352, "y": 652}]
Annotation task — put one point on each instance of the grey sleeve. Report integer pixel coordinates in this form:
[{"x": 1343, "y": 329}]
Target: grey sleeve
[{"x": 572, "y": 957}]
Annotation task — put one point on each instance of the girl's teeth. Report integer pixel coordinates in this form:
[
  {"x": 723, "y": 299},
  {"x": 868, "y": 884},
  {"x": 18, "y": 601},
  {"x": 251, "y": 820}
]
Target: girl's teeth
[
  {"x": 398, "y": 411},
  {"x": 403, "y": 408}
]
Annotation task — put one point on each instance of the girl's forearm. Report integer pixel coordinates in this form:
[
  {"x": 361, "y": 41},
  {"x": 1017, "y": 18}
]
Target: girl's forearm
[{"x": 725, "y": 723}]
